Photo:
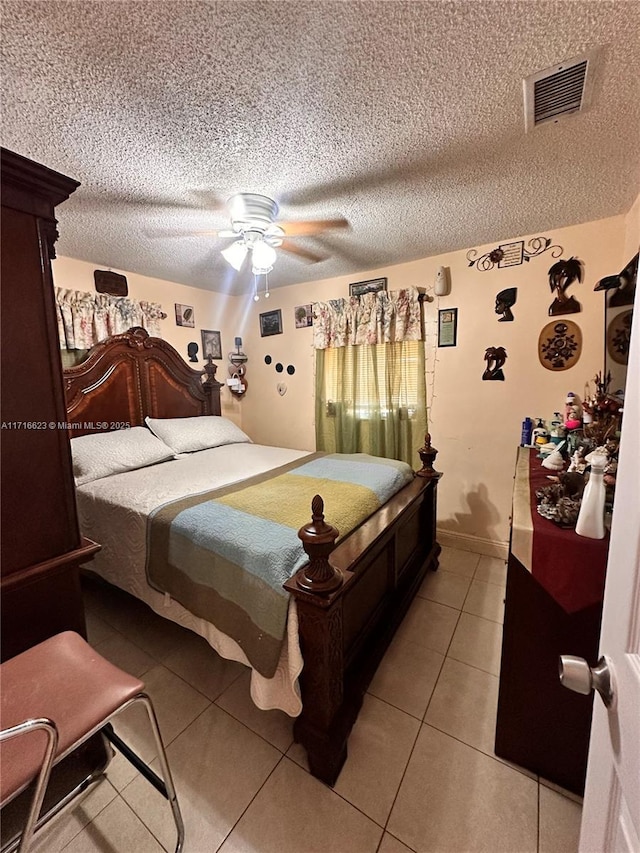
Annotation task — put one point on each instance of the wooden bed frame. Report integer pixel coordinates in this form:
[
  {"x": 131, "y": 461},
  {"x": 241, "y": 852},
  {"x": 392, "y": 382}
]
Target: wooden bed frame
[{"x": 350, "y": 598}]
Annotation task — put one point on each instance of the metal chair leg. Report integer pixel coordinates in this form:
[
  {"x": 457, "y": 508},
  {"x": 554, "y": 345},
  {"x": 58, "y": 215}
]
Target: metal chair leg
[
  {"x": 43, "y": 777},
  {"x": 166, "y": 772}
]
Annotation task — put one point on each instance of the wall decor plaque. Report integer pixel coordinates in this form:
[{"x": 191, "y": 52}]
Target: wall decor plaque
[
  {"x": 110, "y": 282},
  {"x": 512, "y": 254},
  {"x": 560, "y": 345},
  {"x": 619, "y": 337},
  {"x": 185, "y": 315},
  {"x": 495, "y": 358}
]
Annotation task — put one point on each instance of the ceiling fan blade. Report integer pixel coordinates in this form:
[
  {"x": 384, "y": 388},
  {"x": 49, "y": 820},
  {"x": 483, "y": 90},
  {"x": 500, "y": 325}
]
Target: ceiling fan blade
[
  {"x": 183, "y": 232},
  {"x": 312, "y": 226},
  {"x": 294, "y": 249}
]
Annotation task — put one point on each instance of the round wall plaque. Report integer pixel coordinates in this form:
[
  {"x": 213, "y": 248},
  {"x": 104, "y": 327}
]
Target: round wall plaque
[
  {"x": 619, "y": 337},
  {"x": 560, "y": 345}
]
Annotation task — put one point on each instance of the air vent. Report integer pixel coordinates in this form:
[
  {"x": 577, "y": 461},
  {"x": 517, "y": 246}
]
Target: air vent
[{"x": 558, "y": 92}]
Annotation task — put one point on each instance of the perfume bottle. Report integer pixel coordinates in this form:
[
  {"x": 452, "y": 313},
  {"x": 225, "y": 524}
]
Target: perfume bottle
[{"x": 591, "y": 516}]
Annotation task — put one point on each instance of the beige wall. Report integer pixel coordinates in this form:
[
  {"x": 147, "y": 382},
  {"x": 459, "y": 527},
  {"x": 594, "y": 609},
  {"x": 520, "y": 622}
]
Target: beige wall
[
  {"x": 474, "y": 424},
  {"x": 632, "y": 231},
  {"x": 212, "y": 311}
]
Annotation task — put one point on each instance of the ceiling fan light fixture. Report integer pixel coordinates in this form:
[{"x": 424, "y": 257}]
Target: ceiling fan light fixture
[
  {"x": 263, "y": 257},
  {"x": 235, "y": 254}
]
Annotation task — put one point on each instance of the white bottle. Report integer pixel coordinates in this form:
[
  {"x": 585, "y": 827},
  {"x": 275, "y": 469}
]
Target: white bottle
[{"x": 591, "y": 516}]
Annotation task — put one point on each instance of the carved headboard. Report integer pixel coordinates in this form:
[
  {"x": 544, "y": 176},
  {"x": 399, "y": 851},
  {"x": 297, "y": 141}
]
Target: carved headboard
[{"x": 127, "y": 377}]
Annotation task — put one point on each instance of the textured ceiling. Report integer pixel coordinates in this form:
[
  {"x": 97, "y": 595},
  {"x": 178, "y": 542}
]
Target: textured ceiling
[{"x": 404, "y": 117}]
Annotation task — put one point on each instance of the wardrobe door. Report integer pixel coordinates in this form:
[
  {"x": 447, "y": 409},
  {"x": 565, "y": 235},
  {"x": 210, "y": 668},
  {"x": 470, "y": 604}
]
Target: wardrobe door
[
  {"x": 39, "y": 517},
  {"x": 41, "y": 546}
]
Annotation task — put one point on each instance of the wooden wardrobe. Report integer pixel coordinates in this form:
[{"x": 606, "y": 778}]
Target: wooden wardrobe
[{"x": 41, "y": 545}]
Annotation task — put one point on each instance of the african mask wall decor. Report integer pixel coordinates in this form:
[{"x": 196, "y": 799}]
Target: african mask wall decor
[
  {"x": 505, "y": 301},
  {"x": 495, "y": 358},
  {"x": 561, "y": 275}
]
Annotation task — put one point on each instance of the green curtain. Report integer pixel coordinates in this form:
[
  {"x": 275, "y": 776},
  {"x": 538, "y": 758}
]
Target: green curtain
[{"x": 372, "y": 399}]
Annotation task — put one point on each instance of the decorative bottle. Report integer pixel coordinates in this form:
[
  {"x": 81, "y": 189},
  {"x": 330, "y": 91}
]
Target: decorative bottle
[{"x": 591, "y": 516}]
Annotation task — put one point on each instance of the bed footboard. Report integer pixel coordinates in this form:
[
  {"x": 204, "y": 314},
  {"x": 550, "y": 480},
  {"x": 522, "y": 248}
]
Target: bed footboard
[{"x": 351, "y": 599}]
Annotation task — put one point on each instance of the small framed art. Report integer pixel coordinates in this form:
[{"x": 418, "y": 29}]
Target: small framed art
[
  {"x": 304, "y": 316},
  {"x": 211, "y": 344},
  {"x": 185, "y": 316},
  {"x": 271, "y": 323},
  {"x": 374, "y": 285},
  {"x": 447, "y": 327}
]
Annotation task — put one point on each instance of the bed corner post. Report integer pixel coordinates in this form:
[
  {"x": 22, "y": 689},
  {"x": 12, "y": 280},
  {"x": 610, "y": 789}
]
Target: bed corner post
[
  {"x": 317, "y": 589},
  {"x": 427, "y": 456},
  {"x": 318, "y": 540},
  {"x": 211, "y": 386}
]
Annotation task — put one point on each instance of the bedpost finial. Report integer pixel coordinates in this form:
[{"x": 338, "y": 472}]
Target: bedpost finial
[
  {"x": 317, "y": 510},
  {"x": 427, "y": 456},
  {"x": 318, "y": 540}
]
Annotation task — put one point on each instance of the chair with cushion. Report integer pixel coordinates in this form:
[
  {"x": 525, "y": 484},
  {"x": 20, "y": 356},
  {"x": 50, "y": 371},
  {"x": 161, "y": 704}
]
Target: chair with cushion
[{"x": 54, "y": 697}]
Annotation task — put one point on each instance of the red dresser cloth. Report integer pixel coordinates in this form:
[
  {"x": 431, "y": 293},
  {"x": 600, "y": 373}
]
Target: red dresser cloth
[{"x": 571, "y": 568}]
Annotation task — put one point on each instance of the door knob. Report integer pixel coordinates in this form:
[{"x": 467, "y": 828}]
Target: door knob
[{"x": 576, "y": 674}]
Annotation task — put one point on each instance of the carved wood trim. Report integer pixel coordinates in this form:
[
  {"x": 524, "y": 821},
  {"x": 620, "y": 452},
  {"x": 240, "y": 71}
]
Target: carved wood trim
[{"x": 152, "y": 370}]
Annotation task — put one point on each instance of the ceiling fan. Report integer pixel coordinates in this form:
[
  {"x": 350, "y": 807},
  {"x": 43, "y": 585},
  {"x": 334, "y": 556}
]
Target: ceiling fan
[{"x": 258, "y": 234}]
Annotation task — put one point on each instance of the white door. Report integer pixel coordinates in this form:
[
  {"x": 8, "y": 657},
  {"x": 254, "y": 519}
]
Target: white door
[{"x": 611, "y": 812}]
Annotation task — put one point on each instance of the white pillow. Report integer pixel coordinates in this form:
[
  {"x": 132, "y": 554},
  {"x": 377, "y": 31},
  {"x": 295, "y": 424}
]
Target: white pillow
[
  {"x": 105, "y": 453},
  {"x": 186, "y": 435}
]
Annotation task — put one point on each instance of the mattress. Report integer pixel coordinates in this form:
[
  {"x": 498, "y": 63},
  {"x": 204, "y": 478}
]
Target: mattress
[{"x": 114, "y": 511}]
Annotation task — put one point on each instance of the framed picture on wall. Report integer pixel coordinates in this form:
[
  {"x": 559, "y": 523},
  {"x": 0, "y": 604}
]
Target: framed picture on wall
[
  {"x": 304, "y": 316},
  {"x": 185, "y": 316},
  {"x": 374, "y": 285},
  {"x": 447, "y": 327},
  {"x": 211, "y": 344},
  {"x": 271, "y": 323}
]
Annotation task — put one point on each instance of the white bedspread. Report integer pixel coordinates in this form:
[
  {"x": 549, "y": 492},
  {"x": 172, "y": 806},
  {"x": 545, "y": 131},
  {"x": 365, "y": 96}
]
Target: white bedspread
[{"x": 113, "y": 512}]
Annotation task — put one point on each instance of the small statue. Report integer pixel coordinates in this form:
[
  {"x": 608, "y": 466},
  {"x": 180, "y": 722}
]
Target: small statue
[
  {"x": 192, "y": 351},
  {"x": 495, "y": 358},
  {"x": 561, "y": 275},
  {"x": 572, "y": 418},
  {"x": 505, "y": 301},
  {"x": 578, "y": 462}
]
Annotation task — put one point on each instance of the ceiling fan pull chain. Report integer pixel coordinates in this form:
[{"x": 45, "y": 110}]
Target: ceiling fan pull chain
[
  {"x": 255, "y": 287},
  {"x": 266, "y": 285}
]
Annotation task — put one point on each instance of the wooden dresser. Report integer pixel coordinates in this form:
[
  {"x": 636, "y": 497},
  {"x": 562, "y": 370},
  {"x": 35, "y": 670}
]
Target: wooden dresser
[
  {"x": 41, "y": 542},
  {"x": 555, "y": 588}
]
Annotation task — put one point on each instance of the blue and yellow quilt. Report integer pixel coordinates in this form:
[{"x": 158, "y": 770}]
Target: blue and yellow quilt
[{"x": 225, "y": 554}]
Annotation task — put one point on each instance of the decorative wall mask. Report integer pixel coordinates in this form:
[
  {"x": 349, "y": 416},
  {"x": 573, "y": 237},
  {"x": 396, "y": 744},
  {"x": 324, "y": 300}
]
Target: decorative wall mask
[
  {"x": 619, "y": 337},
  {"x": 561, "y": 275},
  {"x": 622, "y": 287},
  {"x": 512, "y": 254},
  {"x": 559, "y": 345},
  {"x": 192, "y": 351},
  {"x": 505, "y": 301},
  {"x": 495, "y": 358}
]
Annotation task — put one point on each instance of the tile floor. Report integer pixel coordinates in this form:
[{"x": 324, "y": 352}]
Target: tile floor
[{"x": 421, "y": 773}]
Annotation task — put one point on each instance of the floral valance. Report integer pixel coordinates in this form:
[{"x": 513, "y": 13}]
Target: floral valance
[
  {"x": 373, "y": 318},
  {"x": 86, "y": 318}
]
